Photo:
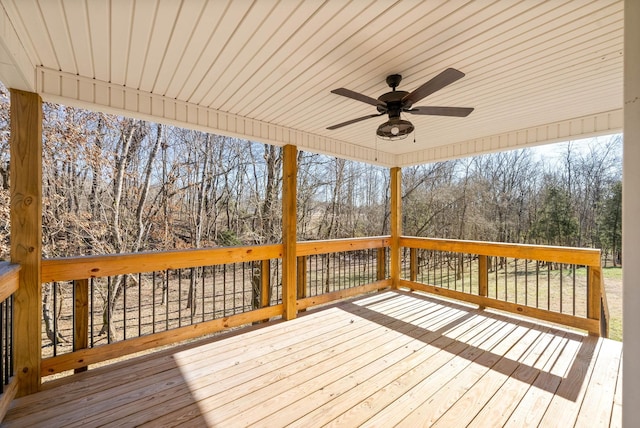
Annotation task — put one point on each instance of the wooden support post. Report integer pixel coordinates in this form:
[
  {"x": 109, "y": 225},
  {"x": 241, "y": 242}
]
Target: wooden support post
[
  {"x": 81, "y": 317},
  {"x": 302, "y": 277},
  {"x": 265, "y": 283},
  {"x": 26, "y": 235},
  {"x": 594, "y": 292},
  {"x": 396, "y": 225},
  {"x": 483, "y": 277},
  {"x": 381, "y": 264},
  {"x": 413, "y": 264},
  {"x": 289, "y": 238}
]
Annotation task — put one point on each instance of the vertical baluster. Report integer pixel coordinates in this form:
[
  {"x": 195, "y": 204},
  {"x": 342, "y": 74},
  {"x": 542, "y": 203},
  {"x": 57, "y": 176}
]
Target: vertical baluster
[
  {"x": 526, "y": 282},
  {"x": 91, "y": 310},
  {"x": 166, "y": 306},
  {"x": 213, "y": 282},
  {"x": 224, "y": 290},
  {"x": 55, "y": 319},
  {"x": 561, "y": 275},
  {"x": 515, "y": 279},
  {"x": 506, "y": 278},
  {"x": 537, "y": 283},
  {"x": 3, "y": 347},
  {"x": 202, "y": 286},
  {"x": 573, "y": 268},
  {"x": 139, "y": 304},
  {"x": 179, "y": 297},
  {"x": 495, "y": 269},
  {"x": 548, "y": 286},
  {"x": 153, "y": 302}
]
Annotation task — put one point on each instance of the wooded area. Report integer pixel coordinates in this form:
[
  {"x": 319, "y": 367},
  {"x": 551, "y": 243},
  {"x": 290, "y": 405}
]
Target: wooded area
[{"x": 115, "y": 184}]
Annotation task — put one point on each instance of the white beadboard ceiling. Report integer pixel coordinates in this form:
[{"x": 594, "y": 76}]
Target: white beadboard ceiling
[{"x": 536, "y": 71}]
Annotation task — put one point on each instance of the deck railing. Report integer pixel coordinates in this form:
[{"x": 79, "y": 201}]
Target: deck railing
[
  {"x": 339, "y": 268},
  {"x": 102, "y": 307},
  {"x": 557, "y": 284},
  {"x": 9, "y": 283}
]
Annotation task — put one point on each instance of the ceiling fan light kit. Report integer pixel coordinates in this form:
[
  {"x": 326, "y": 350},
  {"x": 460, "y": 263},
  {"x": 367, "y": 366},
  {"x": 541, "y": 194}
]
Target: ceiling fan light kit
[
  {"x": 396, "y": 102},
  {"x": 395, "y": 129}
]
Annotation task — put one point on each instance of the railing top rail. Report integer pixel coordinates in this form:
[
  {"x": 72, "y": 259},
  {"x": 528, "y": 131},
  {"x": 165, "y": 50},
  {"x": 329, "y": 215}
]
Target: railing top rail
[
  {"x": 83, "y": 267},
  {"x": 307, "y": 248},
  {"x": 9, "y": 279},
  {"x": 569, "y": 255}
]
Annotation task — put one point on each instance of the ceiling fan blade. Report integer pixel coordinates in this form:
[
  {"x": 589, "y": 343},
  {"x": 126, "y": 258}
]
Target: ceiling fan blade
[
  {"x": 442, "y": 111},
  {"x": 443, "y": 79},
  {"x": 349, "y": 122},
  {"x": 356, "y": 96}
]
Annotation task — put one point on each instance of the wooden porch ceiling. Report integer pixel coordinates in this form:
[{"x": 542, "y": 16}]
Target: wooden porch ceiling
[
  {"x": 536, "y": 72},
  {"x": 392, "y": 358}
]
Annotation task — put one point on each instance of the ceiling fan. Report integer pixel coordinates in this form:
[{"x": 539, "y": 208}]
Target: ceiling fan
[{"x": 395, "y": 102}]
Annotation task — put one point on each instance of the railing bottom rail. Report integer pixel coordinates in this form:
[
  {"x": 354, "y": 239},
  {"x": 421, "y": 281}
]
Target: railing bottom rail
[{"x": 590, "y": 325}]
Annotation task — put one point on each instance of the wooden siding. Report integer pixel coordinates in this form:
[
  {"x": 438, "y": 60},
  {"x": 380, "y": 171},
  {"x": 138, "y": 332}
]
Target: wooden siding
[{"x": 387, "y": 359}]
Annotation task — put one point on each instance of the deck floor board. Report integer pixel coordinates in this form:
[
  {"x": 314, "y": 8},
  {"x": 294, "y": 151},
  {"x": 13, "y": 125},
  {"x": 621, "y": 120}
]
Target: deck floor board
[{"x": 389, "y": 359}]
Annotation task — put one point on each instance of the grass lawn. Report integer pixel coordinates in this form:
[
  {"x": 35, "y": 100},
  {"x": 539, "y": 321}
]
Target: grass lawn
[{"x": 613, "y": 286}]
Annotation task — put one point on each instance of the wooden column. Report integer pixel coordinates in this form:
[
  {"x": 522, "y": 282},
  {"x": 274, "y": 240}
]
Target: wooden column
[
  {"x": 413, "y": 264},
  {"x": 630, "y": 218},
  {"x": 381, "y": 264},
  {"x": 483, "y": 277},
  {"x": 301, "y": 278},
  {"x": 289, "y": 237},
  {"x": 81, "y": 317},
  {"x": 26, "y": 234},
  {"x": 265, "y": 283},
  {"x": 594, "y": 294},
  {"x": 396, "y": 225}
]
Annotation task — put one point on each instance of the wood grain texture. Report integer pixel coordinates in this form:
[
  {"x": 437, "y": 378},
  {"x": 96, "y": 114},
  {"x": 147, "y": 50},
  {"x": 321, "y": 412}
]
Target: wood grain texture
[
  {"x": 82, "y": 358},
  {"x": 590, "y": 325},
  {"x": 578, "y": 256},
  {"x": 26, "y": 234},
  {"x": 289, "y": 233},
  {"x": 9, "y": 279},
  {"x": 396, "y": 224},
  {"x": 8, "y": 394},
  {"x": 307, "y": 248},
  {"x": 81, "y": 317},
  {"x": 71, "y": 268},
  {"x": 378, "y": 360}
]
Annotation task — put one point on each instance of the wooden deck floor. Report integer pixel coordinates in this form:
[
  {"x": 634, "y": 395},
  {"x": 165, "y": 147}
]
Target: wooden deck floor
[{"x": 389, "y": 359}]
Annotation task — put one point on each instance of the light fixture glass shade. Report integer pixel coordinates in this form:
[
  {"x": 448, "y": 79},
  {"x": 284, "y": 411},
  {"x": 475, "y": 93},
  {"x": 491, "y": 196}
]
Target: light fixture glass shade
[{"x": 395, "y": 129}]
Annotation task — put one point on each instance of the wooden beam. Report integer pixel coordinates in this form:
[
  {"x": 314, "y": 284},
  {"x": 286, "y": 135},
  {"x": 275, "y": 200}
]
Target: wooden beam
[
  {"x": 568, "y": 255},
  {"x": 308, "y": 248},
  {"x": 72, "y": 268},
  {"x": 9, "y": 279},
  {"x": 396, "y": 224},
  {"x": 289, "y": 237},
  {"x": 26, "y": 234}
]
